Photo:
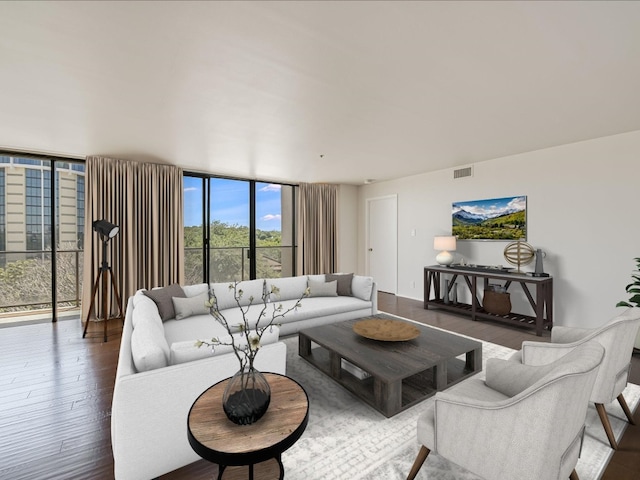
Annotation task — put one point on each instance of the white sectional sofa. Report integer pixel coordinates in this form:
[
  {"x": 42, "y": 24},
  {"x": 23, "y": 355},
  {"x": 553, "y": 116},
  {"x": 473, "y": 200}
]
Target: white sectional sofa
[{"x": 161, "y": 372}]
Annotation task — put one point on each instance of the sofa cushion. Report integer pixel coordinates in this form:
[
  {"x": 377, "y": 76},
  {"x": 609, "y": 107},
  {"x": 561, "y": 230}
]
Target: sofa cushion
[
  {"x": 192, "y": 328},
  {"x": 149, "y": 348},
  {"x": 289, "y": 288},
  {"x": 344, "y": 282},
  {"x": 310, "y": 307},
  {"x": 187, "y": 351},
  {"x": 323, "y": 289},
  {"x": 190, "y": 306},
  {"x": 225, "y": 294},
  {"x": 361, "y": 287},
  {"x": 163, "y": 296},
  {"x": 197, "y": 289}
]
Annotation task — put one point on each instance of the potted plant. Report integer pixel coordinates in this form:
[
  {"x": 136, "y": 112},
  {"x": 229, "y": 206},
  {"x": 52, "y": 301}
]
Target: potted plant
[{"x": 633, "y": 289}]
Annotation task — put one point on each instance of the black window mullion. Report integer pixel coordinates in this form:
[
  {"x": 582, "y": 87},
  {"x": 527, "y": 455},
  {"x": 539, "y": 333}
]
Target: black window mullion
[
  {"x": 252, "y": 230},
  {"x": 294, "y": 235},
  {"x": 206, "y": 224},
  {"x": 54, "y": 246}
]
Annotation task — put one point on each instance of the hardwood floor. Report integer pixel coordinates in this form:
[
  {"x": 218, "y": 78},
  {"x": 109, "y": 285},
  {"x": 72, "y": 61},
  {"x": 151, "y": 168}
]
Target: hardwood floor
[{"x": 56, "y": 388}]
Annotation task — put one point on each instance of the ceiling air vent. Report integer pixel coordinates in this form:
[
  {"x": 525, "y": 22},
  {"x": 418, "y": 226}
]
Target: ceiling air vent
[{"x": 463, "y": 172}]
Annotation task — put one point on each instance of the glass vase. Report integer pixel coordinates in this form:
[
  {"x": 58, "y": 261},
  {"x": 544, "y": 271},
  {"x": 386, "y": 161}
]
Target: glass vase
[{"x": 246, "y": 397}]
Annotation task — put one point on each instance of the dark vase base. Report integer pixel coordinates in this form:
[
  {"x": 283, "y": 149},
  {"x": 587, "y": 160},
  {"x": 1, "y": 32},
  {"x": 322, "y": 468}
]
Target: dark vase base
[{"x": 241, "y": 411}]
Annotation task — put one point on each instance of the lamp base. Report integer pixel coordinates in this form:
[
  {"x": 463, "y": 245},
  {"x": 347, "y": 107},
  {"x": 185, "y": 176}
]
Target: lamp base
[{"x": 444, "y": 258}]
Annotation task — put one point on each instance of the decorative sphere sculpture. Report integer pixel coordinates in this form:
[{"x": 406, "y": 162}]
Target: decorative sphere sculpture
[{"x": 519, "y": 254}]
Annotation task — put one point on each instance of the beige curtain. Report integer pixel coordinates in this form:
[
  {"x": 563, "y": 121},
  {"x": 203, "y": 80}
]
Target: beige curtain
[
  {"x": 317, "y": 228},
  {"x": 146, "y": 201}
]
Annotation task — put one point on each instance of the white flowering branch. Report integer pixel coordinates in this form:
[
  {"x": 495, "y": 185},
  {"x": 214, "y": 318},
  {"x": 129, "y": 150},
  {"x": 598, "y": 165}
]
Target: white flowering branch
[{"x": 246, "y": 353}]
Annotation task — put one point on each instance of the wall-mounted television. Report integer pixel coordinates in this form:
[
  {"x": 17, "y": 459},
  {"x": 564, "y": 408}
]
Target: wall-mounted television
[{"x": 491, "y": 219}]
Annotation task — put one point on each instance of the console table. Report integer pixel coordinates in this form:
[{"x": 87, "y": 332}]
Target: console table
[{"x": 542, "y": 304}]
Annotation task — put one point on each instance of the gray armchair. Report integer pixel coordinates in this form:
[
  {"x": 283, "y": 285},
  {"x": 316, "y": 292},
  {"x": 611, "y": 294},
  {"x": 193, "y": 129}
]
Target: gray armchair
[
  {"x": 521, "y": 422},
  {"x": 617, "y": 337}
]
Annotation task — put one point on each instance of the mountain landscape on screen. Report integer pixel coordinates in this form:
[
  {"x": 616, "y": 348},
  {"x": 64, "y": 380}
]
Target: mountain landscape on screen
[{"x": 492, "y": 219}]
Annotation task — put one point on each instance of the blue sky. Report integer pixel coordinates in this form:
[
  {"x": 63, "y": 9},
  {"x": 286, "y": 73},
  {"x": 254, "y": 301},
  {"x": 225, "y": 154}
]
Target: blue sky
[{"x": 230, "y": 203}]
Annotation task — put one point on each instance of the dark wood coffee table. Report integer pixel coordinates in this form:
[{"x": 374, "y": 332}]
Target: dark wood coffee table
[
  {"x": 398, "y": 374},
  {"x": 258, "y": 446}
]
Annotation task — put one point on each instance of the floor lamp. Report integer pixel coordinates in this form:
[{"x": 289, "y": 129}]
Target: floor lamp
[{"x": 107, "y": 231}]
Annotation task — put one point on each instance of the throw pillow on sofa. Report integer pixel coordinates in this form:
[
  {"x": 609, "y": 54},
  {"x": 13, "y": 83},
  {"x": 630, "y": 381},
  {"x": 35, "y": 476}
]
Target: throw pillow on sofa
[
  {"x": 190, "y": 306},
  {"x": 323, "y": 289},
  {"x": 344, "y": 282},
  {"x": 163, "y": 298},
  {"x": 361, "y": 287},
  {"x": 510, "y": 378},
  {"x": 197, "y": 289}
]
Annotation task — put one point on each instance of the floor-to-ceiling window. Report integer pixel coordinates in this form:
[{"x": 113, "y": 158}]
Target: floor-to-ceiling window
[
  {"x": 237, "y": 229},
  {"x": 41, "y": 235},
  {"x": 229, "y": 238},
  {"x": 275, "y": 245},
  {"x": 194, "y": 222}
]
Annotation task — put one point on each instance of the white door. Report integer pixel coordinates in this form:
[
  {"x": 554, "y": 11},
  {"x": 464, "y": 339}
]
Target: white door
[{"x": 382, "y": 242}]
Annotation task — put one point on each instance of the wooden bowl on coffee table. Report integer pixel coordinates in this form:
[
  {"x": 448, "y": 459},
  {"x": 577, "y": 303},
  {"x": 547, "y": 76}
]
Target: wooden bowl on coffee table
[{"x": 386, "y": 330}]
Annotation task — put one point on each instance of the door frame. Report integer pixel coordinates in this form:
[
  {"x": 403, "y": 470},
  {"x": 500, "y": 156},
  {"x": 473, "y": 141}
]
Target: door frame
[{"x": 368, "y": 201}]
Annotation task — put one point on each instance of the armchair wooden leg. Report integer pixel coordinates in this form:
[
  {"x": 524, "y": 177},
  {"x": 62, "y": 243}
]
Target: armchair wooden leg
[
  {"x": 604, "y": 418},
  {"x": 422, "y": 456},
  {"x": 573, "y": 476},
  {"x": 625, "y": 407}
]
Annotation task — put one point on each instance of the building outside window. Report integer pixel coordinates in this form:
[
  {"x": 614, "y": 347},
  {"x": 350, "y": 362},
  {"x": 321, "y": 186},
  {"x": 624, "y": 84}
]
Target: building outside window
[
  {"x": 3, "y": 219},
  {"x": 38, "y": 209},
  {"x": 80, "y": 210},
  {"x": 27, "y": 235}
]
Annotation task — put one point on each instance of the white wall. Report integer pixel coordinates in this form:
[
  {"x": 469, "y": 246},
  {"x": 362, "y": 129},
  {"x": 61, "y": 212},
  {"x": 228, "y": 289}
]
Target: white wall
[{"x": 581, "y": 210}]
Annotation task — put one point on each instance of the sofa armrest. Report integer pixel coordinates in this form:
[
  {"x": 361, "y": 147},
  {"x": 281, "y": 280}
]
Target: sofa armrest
[{"x": 374, "y": 299}]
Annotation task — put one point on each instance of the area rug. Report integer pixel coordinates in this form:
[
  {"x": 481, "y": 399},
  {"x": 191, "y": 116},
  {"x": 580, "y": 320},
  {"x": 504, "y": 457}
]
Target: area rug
[{"x": 347, "y": 440}]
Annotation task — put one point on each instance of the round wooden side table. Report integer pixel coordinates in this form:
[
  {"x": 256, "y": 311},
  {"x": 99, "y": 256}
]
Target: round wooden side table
[{"x": 258, "y": 446}]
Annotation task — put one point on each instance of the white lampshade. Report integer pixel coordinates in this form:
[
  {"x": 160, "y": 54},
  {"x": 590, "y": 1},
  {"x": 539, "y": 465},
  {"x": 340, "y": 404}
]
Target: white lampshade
[{"x": 444, "y": 242}]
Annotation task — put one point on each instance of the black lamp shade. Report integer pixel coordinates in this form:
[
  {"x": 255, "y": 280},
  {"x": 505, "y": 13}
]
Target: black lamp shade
[{"x": 105, "y": 228}]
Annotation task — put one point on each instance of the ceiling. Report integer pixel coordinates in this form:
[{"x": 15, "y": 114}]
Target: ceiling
[{"x": 335, "y": 92}]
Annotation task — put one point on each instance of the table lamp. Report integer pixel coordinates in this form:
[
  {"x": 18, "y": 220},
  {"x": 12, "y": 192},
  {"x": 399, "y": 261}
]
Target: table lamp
[{"x": 446, "y": 244}]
